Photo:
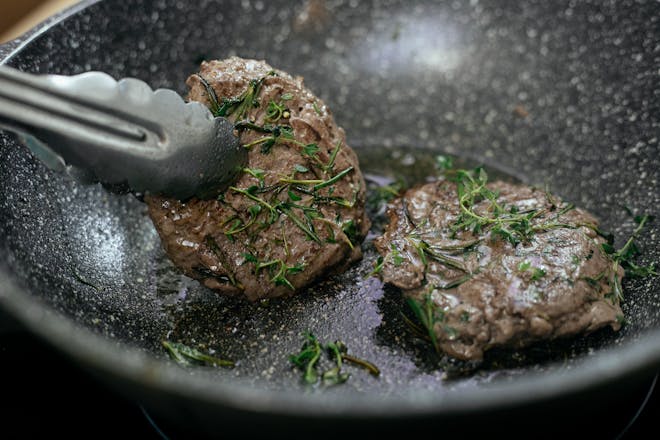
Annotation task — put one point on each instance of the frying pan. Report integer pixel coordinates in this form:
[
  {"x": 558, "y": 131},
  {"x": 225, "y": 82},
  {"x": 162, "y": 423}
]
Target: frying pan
[{"x": 551, "y": 93}]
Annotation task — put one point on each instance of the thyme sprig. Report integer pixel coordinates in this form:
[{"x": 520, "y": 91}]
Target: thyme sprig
[
  {"x": 624, "y": 258},
  {"x": 505, "y": 222},
  {"x": 278, "y": 269},
  {"x": 278, "y": 110},
  {"x": 307, "y": 360}
]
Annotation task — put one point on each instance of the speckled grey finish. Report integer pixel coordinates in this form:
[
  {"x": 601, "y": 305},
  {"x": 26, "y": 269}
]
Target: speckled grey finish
[{"x": 554, "y": 93}]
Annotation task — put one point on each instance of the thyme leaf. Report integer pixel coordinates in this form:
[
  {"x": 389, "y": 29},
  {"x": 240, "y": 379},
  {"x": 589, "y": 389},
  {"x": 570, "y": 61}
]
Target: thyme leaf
[
  {"x": 279, "y": 270},
  {"x": 630, "y": 250},
  {"x": 308, "y": 359},
  {"x": 624, "y": 258},
  {"x": 536, "y": 272}
]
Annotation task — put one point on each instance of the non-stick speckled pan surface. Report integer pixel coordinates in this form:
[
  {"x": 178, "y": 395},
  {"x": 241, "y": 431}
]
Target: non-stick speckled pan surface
[{"x": 563, "y": 94}]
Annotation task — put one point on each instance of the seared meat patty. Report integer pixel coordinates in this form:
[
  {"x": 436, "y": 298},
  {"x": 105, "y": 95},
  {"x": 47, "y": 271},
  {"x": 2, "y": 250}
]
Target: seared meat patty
[
  {"x": 296, "y": 212},
  {"x": 497, "y": 264}
]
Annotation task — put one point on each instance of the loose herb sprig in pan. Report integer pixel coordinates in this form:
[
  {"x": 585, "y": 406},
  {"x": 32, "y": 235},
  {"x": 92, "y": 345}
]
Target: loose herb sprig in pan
[
  {"x": 187, "y": 356},
  {"x": 310, "y": 355},
  {"x": 624, "y": 258}
]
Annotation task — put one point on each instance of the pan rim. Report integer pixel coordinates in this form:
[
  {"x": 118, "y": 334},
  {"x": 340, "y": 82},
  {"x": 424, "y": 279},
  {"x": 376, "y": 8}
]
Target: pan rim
[{"x": 136, "y": 366}]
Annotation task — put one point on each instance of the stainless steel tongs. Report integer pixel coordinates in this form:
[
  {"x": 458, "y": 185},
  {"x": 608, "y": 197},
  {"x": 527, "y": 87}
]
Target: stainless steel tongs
[{"x": 121, "y": 132}]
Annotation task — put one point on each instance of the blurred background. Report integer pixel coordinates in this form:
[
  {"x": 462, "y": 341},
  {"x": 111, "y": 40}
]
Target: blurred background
[{"x": 17, "y": 16}]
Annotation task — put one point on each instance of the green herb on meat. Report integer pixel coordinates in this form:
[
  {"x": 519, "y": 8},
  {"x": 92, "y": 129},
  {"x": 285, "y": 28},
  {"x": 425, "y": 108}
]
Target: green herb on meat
[
  {"x": 378, "y": 267},
  {"x": 425, "y": 250},
  {"x": 536, "y": 272},
  {"x": 455, "y": 282},
  {"x": 294, "y": 188},
  {"x": 240, "y": 105},
  {"x": 295, "y": 196},
  {"x": 428, "y": 315},
  {"x": 257, "y": 173},
  {"x": 279, "y": 271},
  {"x": 505, "y": 222},
  {"x": 278, "y": 110},
  {"x": 276, "y": 134},
  {"x": 187, "y": 356},
  {"x": 238, "y": 226},
  {"x": 215, "y": 248}
]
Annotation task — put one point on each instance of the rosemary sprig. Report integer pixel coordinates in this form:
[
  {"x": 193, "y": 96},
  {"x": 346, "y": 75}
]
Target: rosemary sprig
[
  {"x": 187, "y": 356},
  {"x": 236, "y": 227},
  {"x": 293, "y": 196},
  {"x": 332, "y": 180},
  {"x": 239, "y": 106},
  {"x": 370, "y": 367},
  {"x": 424, "y": 250},
  {"x": 250, "y": 194},
  {"x": 215, "y": 248},
  {"x": 276, "y": 134},
  {"x": 428, "y": 314}
]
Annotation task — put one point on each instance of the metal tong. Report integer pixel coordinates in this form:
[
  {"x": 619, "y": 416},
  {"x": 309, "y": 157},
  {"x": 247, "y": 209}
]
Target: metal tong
[{"x": 121, "y": 132}]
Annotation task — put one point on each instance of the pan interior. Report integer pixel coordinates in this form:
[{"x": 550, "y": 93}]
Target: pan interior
[{"x": 532, "y": 91}]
